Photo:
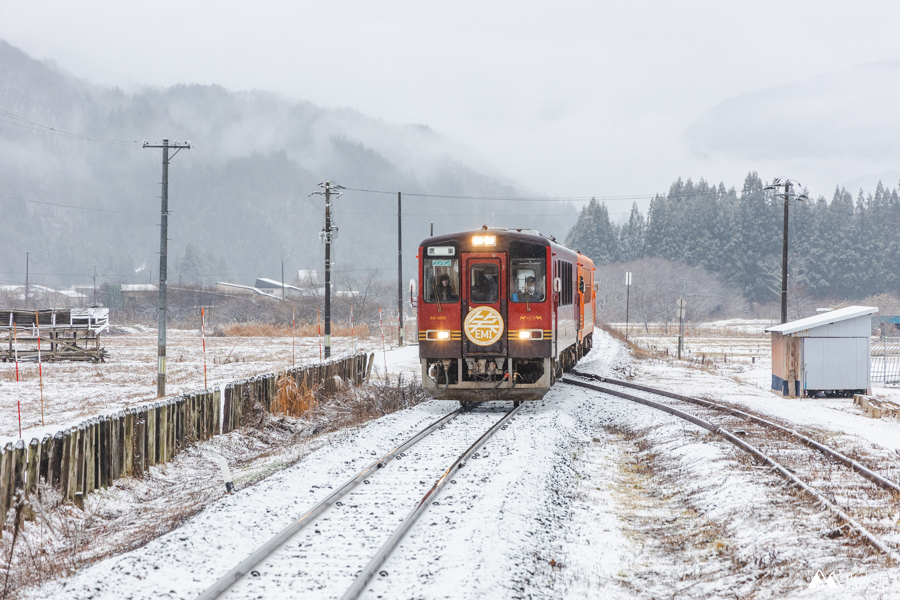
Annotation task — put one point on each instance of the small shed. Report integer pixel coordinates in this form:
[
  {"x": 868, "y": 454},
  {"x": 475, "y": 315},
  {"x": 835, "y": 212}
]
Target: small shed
[{"x": 828, "y": 352}]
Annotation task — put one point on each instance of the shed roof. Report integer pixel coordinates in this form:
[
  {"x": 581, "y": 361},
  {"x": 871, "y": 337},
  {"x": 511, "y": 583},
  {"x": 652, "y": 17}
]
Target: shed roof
[{"x": 827, "y": 318}]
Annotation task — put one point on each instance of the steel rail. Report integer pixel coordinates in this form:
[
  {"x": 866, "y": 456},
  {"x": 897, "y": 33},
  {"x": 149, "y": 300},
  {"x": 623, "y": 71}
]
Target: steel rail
[
  {"x": 362, "y": 579},
  {"x": 869, "y": 474},
  {"x": 865, "y": 533},
  {"x": 224, "y": 583}
]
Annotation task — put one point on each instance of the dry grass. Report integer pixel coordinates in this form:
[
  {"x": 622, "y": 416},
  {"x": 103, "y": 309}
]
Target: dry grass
[
  {"x": 291, "y": 399},
  {"x": 303, "y": 329}
]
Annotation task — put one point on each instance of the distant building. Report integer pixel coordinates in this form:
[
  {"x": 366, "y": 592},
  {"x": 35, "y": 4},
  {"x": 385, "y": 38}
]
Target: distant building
[
  {"x": 274, "y": 287},
  {"x": 138, "y": 293},
  {"x": 234, "y": 289},
  {"x": 827, "y": 353}
]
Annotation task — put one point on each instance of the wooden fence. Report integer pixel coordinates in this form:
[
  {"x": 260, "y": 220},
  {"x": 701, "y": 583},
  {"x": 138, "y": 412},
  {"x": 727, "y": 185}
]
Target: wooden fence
[{"x": 98, "y": 451}]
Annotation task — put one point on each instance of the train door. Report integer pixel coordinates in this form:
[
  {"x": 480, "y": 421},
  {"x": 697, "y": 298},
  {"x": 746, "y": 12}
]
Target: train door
[
  {"x": 484, "y": 305},
  {"x": 579, "y": 309}
]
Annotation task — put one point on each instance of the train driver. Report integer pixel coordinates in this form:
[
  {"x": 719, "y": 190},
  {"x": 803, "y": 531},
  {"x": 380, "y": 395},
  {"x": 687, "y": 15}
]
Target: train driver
[
  {"x": 485, "y": 288},
  {"x": 530, "y": 293}
]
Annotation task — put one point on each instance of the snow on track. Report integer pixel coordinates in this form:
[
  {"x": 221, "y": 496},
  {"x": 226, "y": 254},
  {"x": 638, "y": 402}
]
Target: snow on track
[
  {"x": 579, "y": 497},
  {"x": 323, "y": 559}
]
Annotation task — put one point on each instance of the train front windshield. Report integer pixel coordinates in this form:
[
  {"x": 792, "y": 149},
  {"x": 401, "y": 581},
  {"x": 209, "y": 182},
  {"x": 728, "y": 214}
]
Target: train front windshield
[
  {"x": 441, "y": 275},
  {"x": 528, "y": 272}
]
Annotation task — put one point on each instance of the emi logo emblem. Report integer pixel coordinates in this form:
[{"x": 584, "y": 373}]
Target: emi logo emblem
[{"x": 484, "y": 326}]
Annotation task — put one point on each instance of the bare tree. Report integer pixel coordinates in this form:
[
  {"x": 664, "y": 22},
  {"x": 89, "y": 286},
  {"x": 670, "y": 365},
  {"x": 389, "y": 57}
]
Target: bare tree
[{"x": 657, "y": 285}]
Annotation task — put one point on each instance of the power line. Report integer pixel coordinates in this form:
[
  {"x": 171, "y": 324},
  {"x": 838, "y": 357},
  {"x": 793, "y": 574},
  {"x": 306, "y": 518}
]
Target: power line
[
  {"x": 74, "y": 207},
  {"x": 41, "y": 128}
]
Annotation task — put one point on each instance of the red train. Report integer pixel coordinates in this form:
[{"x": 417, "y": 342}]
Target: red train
[{"x": 501, "y": 313}]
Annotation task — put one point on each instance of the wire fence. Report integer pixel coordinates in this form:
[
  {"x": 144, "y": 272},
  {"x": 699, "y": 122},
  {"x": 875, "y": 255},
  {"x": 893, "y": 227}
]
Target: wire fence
[{"x": 886, "y": 360}]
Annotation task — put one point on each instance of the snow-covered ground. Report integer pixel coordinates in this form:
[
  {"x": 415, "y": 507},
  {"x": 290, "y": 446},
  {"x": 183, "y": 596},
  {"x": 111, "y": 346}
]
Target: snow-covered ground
[
  {"x": 74, "y": 391},
  {"x": 581, "y": 496}
]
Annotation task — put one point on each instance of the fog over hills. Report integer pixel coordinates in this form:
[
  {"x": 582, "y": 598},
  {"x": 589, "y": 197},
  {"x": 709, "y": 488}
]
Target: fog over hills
[
  {"x": 842, "y": 123},
  {"x": 240, "y": 196}
]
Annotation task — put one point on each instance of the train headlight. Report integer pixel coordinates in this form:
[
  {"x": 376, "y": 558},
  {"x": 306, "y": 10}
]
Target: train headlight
[
  {"x": 484, "y": 240},
  {"x": 434, "y": 334},
  {"x": 531, "y": 334},
  {"x": 443, "y": 335}
]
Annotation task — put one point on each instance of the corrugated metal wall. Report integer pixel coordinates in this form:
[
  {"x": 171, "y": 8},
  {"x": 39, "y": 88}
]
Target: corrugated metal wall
[
  {"x": 836, "y": 363},
  {"x": 855, "y": 328}
]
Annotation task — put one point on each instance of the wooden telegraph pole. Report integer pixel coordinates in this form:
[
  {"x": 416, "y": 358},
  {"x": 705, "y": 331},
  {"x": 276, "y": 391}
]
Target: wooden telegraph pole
[{"x": 784, "y": 182}]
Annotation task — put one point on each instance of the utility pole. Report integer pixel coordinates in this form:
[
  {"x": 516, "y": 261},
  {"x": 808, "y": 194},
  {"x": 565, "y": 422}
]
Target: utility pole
[
  {"x": 163, "y": 258},
  {"x": 282, "y": 280},
  {"x": 786, "y": 183},
  {"x": 627, "y": 301},
  {"x": 681, "y": 318},
  {"x": 26, "y": 278},
  {"x": 399, "y": 268},
  {"x": 95, "y": 285},
  {"x": 326, "y": 234}
]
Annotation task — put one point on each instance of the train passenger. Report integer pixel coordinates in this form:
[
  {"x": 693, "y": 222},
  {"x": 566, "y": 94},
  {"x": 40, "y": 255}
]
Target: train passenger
[{"x": 445, "y": 290}]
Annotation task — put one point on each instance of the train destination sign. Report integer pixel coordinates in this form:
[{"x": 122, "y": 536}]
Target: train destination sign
[
  {"x": 484, "y": 326},
  {"x": 441, "y": 251}
]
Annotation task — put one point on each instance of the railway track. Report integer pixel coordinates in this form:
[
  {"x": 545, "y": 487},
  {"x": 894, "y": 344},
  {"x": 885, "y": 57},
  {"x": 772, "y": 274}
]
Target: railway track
[
  {"x": 340, "y": 543},
  {"x": 863, "y": 497}
]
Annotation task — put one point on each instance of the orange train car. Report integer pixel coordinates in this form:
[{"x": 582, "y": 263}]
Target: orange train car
[{"x": 501, "y": 313}]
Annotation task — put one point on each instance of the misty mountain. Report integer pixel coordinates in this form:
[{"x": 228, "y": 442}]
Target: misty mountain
[
  {"x": 843, "y": 122},
  {"x": 240, "y": 196}
]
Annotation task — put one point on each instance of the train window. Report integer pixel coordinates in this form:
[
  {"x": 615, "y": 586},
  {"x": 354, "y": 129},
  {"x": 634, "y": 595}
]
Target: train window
[
  {"x": 440, "y": 279},
  {"x": 529, "y": 281},
  {"x": 483, "y": 283},
  {"x": 527, "y": 272},
  {"x": 565, "y": 275}
]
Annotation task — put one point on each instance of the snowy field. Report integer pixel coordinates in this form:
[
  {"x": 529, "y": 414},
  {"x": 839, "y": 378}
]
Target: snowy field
[
  {"x": 74, "y": 391},
  {"x": 581, "y": 496}
]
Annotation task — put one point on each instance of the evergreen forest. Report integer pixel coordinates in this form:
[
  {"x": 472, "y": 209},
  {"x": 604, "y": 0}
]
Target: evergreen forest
[{"x": 839, "y": 249}]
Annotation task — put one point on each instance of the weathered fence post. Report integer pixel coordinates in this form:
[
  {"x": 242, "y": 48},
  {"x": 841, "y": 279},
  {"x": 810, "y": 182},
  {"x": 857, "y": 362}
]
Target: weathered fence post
[
  {"x": 54, "y": 466},
  {"x": 227, "y": 408},
  {"x": 90, "y": 462},
  {"x": 128, "y": 443},
  {"x": 32, "y": 468},
  {"x": 46, "y": 449},
  {"x": 214, "y": 428},
  {"x": 6, "y": 490},
  {"x": 151, "y": 436},
  {"x": 104, "y": 459},
  {"x": 19, "y": 460},
  {"x": 139, "y": 442}
]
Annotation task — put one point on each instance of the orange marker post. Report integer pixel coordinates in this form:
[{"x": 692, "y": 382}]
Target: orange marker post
[
  {"x": 40, "y": 367},
  {"x": 383, "y": 349},
  {"x": 319, "y": 328},
  {"x": 293, "y": 326},
  {"x": 203, "y": 337},
  {"x": 18, "y": 394}
]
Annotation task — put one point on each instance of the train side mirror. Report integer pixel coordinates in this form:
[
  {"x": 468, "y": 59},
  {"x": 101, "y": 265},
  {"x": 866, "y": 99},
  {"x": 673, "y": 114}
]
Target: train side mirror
[
  {"x": 581, "y": 284},
  {"x": 413, "y": 291},
  {"x": 596, "y": 287},
  {"x": 557, "y": 285}
]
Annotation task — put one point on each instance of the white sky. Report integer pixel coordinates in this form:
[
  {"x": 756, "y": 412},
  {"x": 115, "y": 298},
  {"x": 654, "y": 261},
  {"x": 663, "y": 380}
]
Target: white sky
[{"x": 568, "y": 98}]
